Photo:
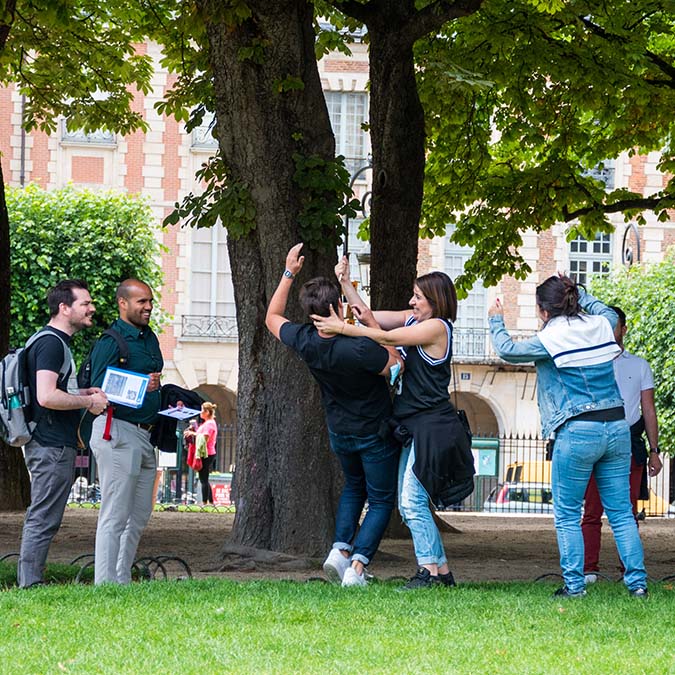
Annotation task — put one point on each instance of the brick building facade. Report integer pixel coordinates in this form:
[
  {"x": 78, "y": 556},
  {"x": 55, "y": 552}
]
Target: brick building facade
[{"x": 200, "y": 344}]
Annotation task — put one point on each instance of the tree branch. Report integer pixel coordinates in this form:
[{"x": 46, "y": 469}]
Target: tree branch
[
  {"x": 666, "y": 68},
  {"x": 433, "y": 16},
  {"x": 10, "y": 8},
  {"x": 355, "y": 10},
  {"x": 642, "y": 204}
]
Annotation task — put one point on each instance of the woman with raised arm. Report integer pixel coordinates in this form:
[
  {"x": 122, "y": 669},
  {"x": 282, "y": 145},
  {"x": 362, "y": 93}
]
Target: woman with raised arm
[
  {"x": 582, "y": 413},
  {"x": 437, "y": 450}
]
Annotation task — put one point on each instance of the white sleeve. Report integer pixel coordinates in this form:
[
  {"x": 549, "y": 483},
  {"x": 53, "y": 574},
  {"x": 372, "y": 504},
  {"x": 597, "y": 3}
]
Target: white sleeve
[{"x": 646, "y": 376}]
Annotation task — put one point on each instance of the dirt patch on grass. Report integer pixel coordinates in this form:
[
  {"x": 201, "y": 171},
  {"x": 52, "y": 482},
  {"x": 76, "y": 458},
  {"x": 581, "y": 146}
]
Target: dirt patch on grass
[{"x": 486, "y": 548}]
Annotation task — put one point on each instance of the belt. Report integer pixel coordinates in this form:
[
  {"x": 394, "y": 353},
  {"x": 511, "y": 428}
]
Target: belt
[{"x": 146, "y": 427}]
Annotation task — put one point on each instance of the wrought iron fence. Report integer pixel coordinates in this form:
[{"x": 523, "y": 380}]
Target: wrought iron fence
[{"x": 512, "y": 477}]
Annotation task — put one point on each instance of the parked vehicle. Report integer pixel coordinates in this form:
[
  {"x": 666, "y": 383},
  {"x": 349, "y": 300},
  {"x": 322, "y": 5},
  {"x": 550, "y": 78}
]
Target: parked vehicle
[
  {"x": 520, "y": 497},
  {"x": 655, "y": 506},
  {"x": 536, "y": 497}
]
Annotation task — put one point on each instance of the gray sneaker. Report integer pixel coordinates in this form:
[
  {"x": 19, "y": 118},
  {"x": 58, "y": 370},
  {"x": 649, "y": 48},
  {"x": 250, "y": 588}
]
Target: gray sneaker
[
  {"x": 591, "y": 578},
  {"x": 353, "y": 578},
  {"x": 335, "y": 566}
]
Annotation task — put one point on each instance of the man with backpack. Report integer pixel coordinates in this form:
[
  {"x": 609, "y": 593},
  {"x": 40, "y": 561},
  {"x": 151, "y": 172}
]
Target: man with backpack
[
  {"x": 56, "y": 407},
  {"x": 121, "y": 442}
]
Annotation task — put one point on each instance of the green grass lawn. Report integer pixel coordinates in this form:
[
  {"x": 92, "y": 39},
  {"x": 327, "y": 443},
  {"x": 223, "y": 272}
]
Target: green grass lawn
[{"x": 207, "y": 627}]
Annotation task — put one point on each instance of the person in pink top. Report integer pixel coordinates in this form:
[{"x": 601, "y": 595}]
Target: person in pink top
[{"x": 209, "y": 429}]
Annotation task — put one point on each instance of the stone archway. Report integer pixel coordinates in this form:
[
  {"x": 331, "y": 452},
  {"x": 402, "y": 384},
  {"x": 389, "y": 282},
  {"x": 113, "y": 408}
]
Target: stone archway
[
  {"x": 482, "y": 419},
  {"x": 226, "y": 413}
]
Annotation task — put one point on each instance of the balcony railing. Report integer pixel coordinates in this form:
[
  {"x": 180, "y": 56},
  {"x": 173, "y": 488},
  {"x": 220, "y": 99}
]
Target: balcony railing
[
  {"x": 468, "y": 344},
  {"x": 474, "y": 344},
  {"x": 209, "y": 327}
]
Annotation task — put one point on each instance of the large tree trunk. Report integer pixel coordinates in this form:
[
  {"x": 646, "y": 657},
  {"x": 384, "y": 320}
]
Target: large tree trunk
[
  {"x": 397, "y": 128},
  {"x": 286, "y": 478},
  {"x": 14, "y": 481}
]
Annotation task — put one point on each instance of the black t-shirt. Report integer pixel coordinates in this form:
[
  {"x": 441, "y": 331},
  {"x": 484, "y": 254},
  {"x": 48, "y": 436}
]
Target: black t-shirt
[
  {"x": 425, "y": 380},
  {"x": 354, "y": 395},
  {"x": 55, "y": 428}
]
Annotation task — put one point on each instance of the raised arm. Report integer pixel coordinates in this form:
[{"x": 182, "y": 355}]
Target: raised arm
[
  {"x": 385, "y": 319},
  {"x": 523, "y": 351},
  {"x": 425, "y": 333},
  {"x": 275, "y": 318},
  {"x": 592, "y": 305}
]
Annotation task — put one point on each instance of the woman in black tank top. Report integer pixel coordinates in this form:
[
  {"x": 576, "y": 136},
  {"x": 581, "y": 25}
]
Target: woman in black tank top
[{"x": 423, "y": 334}]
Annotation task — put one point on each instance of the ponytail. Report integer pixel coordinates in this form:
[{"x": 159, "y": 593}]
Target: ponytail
[{"x": 559, "y": 296}]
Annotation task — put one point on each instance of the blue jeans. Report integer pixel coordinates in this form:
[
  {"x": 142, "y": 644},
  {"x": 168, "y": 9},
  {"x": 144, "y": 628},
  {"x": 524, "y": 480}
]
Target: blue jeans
[
  {"x": 413, "y": 503},
  {"x": 583, "y": 448},
  {"x": 369, "y": 466}
]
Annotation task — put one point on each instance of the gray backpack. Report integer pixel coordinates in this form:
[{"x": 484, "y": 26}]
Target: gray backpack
[{"x": 16, "y": 423}]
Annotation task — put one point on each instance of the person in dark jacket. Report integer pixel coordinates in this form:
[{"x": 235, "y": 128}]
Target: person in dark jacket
[{"x": 421, "y": 405}]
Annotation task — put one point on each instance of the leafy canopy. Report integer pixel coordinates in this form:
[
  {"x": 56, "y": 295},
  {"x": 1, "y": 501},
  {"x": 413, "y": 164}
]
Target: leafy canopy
[
  {"x": 522, "y": 102},
  {"x": 645, "y": 293},
  {"x": 79, "y": 58},
  {"x": 101, "y": 237}
]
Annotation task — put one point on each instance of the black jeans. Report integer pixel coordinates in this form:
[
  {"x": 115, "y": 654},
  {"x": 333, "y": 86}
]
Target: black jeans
[{"x": 207, "y": 493}]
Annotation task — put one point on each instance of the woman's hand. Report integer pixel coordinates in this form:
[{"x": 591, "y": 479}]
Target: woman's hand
[
  {"x": 497, "y": 309},
  {"x": 365, "y": 316},
  {"x": 342, "y": 270},
  {"x": 294, "y": 260},
  {"x": 331, "y": 324}
]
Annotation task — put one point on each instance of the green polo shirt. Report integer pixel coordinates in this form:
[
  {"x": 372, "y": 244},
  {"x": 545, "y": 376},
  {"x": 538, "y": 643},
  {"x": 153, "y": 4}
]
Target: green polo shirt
[{"x": 144, "y": 357}]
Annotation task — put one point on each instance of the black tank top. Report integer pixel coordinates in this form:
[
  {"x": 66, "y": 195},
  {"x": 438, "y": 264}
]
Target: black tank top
[{"x": 425, "y": 380}]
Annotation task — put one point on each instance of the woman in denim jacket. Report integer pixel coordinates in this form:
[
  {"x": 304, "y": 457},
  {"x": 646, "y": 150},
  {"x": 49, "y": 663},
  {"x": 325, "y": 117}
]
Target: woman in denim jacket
[{"x": 581, "y": 408}]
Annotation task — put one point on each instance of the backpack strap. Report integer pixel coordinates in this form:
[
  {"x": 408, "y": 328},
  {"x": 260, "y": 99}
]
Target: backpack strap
[
  {"x": 67, "y": 355},
  {"x": 122, "y": 345},
  {"x": 63, "y": 371}
]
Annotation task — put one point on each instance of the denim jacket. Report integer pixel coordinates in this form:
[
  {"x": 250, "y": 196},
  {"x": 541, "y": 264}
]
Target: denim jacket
[{"x": 562, "y": 393}]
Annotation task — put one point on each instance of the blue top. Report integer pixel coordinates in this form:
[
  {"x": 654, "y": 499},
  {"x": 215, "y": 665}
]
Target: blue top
[{"x": 562, "y": 393}]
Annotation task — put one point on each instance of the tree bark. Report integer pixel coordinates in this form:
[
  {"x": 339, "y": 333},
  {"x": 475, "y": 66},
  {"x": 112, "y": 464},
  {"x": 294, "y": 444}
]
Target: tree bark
[
  {"x": 14, "y": 480},
  {"x": 286, "y": 478},
  {"x": 397, "y": 129}
]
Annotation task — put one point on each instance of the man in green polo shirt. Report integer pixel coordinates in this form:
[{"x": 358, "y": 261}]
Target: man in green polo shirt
[{"x": 126, "y": 462}]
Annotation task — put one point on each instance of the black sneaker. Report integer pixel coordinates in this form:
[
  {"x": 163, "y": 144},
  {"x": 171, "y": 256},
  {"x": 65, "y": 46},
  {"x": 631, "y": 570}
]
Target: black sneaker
[
  {"x": 564, "y": 592},
  {"x": 422, "y": 579},
  {"x": 641, "y": 593},
  {"x": 446, "y": 579}
]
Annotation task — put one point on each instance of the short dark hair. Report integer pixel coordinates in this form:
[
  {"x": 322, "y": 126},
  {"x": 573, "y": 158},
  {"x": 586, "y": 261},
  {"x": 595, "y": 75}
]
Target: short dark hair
[
  {"x": 620, "y": 313},
  {"x": 438, "y": 289},
  {"x": 318, "y": 295},
  {"x": 62, "y": 293},
  {"x": 559, "y": 296}
]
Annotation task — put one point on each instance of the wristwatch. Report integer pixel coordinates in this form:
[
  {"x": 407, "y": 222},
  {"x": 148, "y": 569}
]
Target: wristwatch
[
  {"x": 288, "y": 274},
  {"x": 656, "y": 450}
]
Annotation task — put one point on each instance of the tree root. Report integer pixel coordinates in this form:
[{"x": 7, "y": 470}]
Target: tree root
[{"x": 250, "y": 559}]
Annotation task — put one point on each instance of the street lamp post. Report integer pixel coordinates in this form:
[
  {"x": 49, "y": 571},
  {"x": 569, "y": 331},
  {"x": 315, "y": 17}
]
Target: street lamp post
[
  {"x": 363, "y": 208},
  {"x": 364, "y": 199}
]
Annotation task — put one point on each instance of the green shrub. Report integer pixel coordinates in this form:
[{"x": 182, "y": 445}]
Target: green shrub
[
  {"x": 645, "y": 294},
  {"x": 101, "y": 237}
]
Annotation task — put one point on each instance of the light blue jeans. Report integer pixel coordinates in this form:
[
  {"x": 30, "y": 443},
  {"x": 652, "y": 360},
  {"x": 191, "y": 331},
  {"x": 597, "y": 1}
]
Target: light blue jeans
[
  {"x": 413, "y": 503},
  {"x": 583, "y": 448}
]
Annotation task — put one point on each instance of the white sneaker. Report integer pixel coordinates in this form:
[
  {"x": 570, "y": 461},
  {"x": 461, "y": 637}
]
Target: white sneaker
[
  {"x": 335, "y": 565},
  {"x": 591, "y": 578},
  {"x": 353, "y": 578}
]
